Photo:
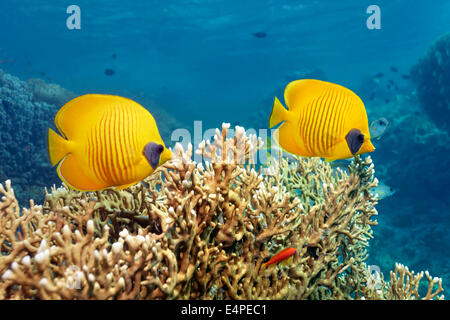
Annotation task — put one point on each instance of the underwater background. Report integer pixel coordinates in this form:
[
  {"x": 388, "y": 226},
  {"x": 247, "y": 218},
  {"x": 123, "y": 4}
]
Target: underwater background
[{"x": 224, "y": 61}]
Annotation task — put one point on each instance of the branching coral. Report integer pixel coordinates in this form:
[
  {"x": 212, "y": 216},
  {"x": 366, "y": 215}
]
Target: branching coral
[
  {"x": 51, "y": 93},
  {"x": 199, "y": 231},
  {"x": 23, "y": 124},
  {"x": 403, "y": 285}
]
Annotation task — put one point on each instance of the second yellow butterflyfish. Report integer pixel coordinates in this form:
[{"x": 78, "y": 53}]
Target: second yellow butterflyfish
[
  {"x": 107, "y": 141},
  {"x": 323, "y": 119}
]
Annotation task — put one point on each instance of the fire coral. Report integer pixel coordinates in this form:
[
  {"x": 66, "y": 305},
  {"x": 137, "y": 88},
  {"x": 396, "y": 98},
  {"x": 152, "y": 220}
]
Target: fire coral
[{"x": 202, "y": 231}]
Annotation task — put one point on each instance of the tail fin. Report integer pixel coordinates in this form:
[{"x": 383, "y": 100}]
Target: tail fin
[
  {"x": 263, "y": 266},
  {"x": 57, "y": 147},
  {"x": 279, "y": 113}
]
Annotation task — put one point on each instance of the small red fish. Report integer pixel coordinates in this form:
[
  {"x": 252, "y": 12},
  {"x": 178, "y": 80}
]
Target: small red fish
[{"x": 280, "y": 256}]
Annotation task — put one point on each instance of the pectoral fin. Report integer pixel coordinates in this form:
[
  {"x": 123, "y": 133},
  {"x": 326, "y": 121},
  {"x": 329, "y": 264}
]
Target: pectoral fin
[
  {"x": 287, "y": 261},
  {"x": 125, "y": 185}
]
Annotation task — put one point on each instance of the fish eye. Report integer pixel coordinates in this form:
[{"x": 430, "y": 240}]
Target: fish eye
[
  {"x": 390, "y": 189},
  {"x": 361, "y": 138},
  {"x": 381, "y": 122}
]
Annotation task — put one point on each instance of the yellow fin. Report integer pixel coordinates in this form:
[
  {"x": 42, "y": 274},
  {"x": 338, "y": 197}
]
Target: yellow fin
[
  {"x": 70, "y": 170},
  {"x": 279, "y": 113},
  {"x": 283, "y": 136},
  {"x": 57, "y": 147},
  {"x": 299, "y": 93},
  {"x": 276, "y": 138},
  {"x": 263, "y": 266},
  {"x": 77, "y": 114},
  {"x": 287, "y": 261},
  {"x": 126, "y": 185}
]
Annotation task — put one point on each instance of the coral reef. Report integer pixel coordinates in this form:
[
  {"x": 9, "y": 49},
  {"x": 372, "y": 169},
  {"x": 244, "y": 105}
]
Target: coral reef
[
  {"x": 23, "y": 150},
  {"x": 202, "y": 231},
  {"x": 432, "y": 76},
  {"x": 50, "y": 93}
]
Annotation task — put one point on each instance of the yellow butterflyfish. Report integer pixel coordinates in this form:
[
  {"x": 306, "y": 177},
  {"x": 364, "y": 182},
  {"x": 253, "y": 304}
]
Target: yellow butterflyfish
[
  {"x": 107, "y": 141},
  {"x": 323, "y": 120}
]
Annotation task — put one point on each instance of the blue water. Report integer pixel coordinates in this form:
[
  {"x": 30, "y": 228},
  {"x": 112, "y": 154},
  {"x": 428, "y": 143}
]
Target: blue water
[{"x": 199, "y": 60}]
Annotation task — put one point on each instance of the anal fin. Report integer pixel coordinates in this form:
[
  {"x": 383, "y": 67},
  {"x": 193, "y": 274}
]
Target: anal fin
[
  {"x": 70, "y": 171},
  {"x": 126, "y": 185}
]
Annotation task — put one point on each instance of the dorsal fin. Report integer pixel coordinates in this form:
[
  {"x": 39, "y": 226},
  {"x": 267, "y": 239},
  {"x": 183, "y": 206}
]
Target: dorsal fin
[
  {"x": 84, "y": 110},
  {"x": 299, "y": 93}
]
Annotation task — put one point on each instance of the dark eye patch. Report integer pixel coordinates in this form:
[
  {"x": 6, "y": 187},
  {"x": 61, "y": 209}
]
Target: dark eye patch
[
  {"x": 152, "y": 151},
  {"x": 354, "y": 139}
]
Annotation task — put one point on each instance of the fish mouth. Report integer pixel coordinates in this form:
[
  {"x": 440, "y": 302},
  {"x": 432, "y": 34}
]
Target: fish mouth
[{"x": 370, "y": 147}]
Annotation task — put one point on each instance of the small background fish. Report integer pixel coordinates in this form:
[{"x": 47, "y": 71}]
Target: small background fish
[
  {"x": 284, "y": 256},
  {"x": 259, "y": 34},
  {"x": 378, "y": 127},
  {"x": 383, "y": 191},
  {"x": 109, "y": 72}
]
